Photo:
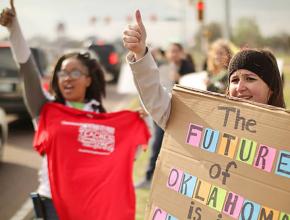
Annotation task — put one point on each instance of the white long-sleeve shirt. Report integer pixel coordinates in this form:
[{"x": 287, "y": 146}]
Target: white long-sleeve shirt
[{"x": 155, "y": 97}]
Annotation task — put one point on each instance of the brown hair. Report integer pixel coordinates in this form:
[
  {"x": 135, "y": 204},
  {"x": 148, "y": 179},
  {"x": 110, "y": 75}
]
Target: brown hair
[
  {"x": 277, "y": 98},
  {"x": 178, "y": 45},
  {"x": 219, "y": 44}
]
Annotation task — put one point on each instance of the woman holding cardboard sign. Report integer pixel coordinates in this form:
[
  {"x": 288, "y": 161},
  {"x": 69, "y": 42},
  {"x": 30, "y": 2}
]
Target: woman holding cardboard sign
[
  {"x": 88, "y": 154},
  {"x": 253, "y": 75}
]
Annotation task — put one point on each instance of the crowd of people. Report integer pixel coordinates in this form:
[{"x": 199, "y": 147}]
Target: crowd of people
[{"x": 87, "y": 152}]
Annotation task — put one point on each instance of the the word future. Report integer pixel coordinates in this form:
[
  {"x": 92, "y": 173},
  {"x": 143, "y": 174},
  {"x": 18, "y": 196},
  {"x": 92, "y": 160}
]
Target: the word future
[{"x": 245, "y": 150}]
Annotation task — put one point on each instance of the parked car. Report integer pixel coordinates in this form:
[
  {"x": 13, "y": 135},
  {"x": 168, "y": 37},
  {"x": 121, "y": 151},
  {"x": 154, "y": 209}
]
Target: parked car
[
  {"x": 10, "y": 85},
  {"x": 108, "y": 57},
  {"x": 3, "y": 131}
]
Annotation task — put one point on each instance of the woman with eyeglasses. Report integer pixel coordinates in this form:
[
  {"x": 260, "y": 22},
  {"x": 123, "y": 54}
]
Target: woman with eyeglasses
[{"x": 88, "y": 155}]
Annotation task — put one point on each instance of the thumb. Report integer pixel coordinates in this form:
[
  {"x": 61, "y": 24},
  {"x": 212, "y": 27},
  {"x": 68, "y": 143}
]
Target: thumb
[
  {"x": 12, "y": 5},
  {"x": 139, "y": 20}
]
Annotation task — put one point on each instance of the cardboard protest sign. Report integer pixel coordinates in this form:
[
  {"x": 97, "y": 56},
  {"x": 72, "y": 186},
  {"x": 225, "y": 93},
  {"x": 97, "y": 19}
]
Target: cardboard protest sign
[{"x": 222, "y": 159}]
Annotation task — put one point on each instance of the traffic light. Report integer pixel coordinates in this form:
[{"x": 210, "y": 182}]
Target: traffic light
[{"x": 200, "y": 9}]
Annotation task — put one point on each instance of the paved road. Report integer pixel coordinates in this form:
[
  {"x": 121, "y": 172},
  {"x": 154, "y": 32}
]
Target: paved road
[{"x": 18, "y": 170}]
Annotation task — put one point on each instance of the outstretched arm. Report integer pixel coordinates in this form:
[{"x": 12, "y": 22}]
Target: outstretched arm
[
  {"x": 155, "y": 98},
  {"x": 33, "y": 95}
]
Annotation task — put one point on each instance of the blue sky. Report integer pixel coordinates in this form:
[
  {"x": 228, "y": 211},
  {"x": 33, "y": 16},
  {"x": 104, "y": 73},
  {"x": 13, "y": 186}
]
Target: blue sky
[{"x": 40, "y": 17}]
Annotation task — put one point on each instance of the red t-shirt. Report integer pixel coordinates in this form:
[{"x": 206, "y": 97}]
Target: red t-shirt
[{"x": 90, "y": 161}]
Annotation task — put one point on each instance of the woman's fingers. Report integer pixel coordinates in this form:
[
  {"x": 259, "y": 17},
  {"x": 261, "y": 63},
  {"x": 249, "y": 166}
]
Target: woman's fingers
[
  {"x": 131, "y": 46},
  {"x": 132, "y": 34},
  {"x": 140, "y": 24},
  {"x": 135, "y": 28},
  {"x": 6, "y": 17},
  {"x": 134, "y": 37},
  {"x": 129, "y": 39},
  {"x": 12, "y": 6}
]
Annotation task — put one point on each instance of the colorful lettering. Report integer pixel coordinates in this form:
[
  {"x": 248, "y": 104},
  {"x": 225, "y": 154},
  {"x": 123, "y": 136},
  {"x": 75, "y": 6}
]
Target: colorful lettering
[
  {"x": 283, "y": 164},
  {"x": 268, "y": 214},
  {"x": 250, "y": 211},
  {"x": 159, "y": 214},
  {"x": 194, "y": 135},
  {"x": 233, "y": 205},
  {"x": 202, "y": 190},
  {"x": 170, "y": 217},
  {"x": 265, "y": 158},
  {"x": 187, "y": 185},
  {"x": 284, "y": 216},
  {"x": 174, "y": 179},
  {"x": 216, "y": 198},
  {"x": 210, "y": 140},
  {"x": 246, "y": 152},
  {"x": 228, "y": 145}
]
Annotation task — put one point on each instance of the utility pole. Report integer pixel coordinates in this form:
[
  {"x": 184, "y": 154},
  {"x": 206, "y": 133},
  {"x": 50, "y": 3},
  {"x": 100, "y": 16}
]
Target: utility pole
[
  {"x": 200, "y": 6},
  {"x": 227, "y": 20},
  {"x": 183, "y": 29}
]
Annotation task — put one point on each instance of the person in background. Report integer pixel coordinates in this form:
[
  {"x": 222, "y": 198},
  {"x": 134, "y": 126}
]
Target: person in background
[
  {"x": 159, "y": 55},
  {"x": 87, "y": 153},
  {"x": 190, "y": 59},
  {"x": 180, "y": 62},
  {"x": 218, "y": 58}
]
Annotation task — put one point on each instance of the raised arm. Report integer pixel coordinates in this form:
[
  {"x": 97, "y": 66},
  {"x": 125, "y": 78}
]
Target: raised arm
[
  {"x": 155, "y": 98},
  {"x": 33, "y": 94}
]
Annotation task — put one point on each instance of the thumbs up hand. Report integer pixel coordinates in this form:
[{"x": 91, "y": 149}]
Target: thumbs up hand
[
  {"x": 134, "y": 37},
  {"x": 7, "y": 15}
]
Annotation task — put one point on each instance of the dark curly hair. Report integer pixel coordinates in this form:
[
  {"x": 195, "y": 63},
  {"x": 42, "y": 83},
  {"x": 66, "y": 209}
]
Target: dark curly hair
[{"x": 96, "y": 90}]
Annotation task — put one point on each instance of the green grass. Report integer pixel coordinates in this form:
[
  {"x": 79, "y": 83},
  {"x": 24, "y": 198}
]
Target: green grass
[{"x": 142, "y": 196}]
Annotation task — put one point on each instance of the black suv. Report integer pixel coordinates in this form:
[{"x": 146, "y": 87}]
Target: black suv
[
  {"x": 10, "y": 86},
  {"x": 109, "y": 59}
]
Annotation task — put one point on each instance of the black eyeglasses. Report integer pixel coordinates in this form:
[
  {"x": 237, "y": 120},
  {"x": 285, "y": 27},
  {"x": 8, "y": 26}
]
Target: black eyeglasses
[{"x": 75, "y": 74}]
